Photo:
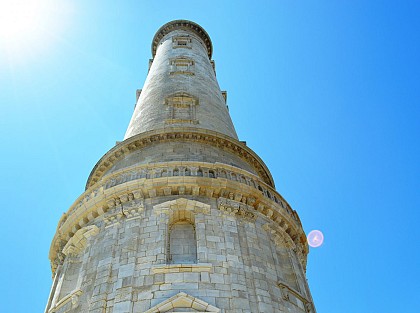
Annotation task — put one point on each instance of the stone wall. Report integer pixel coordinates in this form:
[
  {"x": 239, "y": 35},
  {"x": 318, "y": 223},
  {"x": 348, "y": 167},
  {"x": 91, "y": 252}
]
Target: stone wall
[
  {"x": 126, "y": 266},
  {"x": 165, "y": 81},
  {"x": 181, "y": 151},
  {"x": 180, "y": 216}
]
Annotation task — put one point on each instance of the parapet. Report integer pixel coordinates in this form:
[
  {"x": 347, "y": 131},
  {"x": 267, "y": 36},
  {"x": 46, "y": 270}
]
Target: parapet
[{"x": 183, "y": 25}]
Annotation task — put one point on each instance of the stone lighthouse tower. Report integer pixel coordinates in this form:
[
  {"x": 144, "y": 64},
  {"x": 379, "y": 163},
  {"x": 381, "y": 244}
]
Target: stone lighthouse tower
[{"x": 180, "y": 216}]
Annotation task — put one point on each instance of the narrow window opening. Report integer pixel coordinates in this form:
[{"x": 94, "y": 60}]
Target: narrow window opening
[
  {"x": 181, "y": 42},
  {"x": 182, "y": 243},
  {"x": 182, "y": 65}
]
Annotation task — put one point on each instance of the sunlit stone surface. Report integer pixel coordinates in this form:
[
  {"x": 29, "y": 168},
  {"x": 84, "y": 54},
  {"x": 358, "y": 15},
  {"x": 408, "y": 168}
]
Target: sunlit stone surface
[{"x": 181, "y": 216}]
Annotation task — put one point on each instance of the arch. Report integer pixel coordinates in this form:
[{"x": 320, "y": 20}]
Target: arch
[
  {"x": 183, "y": 301},
  {"x": 181, "y": 237},
  {"x": 182, "y": 242}
]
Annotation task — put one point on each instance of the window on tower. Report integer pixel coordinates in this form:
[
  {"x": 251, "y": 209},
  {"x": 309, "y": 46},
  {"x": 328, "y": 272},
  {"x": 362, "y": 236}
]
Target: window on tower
[
  {"x": 181, "y": 109},
  {"x": 182, "y": 65},
  {"x": 181, "y": 42},
  {"x": 182, "y": 246}
]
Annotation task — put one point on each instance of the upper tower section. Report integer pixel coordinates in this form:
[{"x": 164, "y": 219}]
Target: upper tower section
[{"x": 181, "y": 89}]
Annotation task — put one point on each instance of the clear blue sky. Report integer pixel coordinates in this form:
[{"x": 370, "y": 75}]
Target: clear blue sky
[{"x": 326, "y": 92}]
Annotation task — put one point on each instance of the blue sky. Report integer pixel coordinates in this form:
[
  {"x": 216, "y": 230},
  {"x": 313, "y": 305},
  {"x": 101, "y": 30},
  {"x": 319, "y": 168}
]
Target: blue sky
[{"x": 326, "y": 92}]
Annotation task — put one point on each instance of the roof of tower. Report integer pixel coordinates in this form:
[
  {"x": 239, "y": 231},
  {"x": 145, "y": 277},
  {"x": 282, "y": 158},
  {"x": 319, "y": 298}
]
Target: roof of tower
[{"x": 183, "y": 25}]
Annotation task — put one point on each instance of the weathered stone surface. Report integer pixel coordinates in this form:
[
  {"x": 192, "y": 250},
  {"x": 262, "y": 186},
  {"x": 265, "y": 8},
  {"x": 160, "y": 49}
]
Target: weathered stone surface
[{"x": 181, "y": 216}]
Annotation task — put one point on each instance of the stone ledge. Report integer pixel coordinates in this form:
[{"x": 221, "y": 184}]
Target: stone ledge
[
  {"x": 73, "y": 297},
  {"x": 172, "y": 134},
  {"x": 183, "y": 25},
  {"x": 100, "y": 201},
  {"x": 288, "y": 293},
  {"x": 181, "y": 268}
]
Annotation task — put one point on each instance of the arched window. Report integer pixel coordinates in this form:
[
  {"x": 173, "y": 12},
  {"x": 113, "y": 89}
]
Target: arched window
[
  {"x": 287, "y": 268},
  {"x": 182, "y": 243}
]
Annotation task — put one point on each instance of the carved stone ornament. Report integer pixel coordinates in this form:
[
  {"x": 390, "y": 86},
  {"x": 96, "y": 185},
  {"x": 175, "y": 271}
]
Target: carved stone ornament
[
  {"x": 67, "y": 303},
  {"x": 127, "y": 206},
  {"x": 288, "y": 292},
  {"x": 118, "y": 214},
  {"x": 235, "y": 208},
  {"x": 285, "y": 293},
  {"x": 183, "y": 301},
  {"x": 78, "y": 242}
]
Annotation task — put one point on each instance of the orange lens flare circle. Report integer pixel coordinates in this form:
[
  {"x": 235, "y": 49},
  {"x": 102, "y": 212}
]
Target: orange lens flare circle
[{"x": 315, "y": 238}]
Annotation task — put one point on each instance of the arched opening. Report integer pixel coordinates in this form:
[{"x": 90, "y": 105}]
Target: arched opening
[{"x": 182, "y": 243}]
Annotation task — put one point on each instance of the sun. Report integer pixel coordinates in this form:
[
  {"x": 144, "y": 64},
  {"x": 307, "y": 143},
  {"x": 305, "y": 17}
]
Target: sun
[
  {"x": 19, "y": 19},
  {"x": 27, "y": 26}
]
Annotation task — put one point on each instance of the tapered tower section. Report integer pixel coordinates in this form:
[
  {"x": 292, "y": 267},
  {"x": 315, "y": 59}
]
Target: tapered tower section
[{"x": 180, "y": 216}]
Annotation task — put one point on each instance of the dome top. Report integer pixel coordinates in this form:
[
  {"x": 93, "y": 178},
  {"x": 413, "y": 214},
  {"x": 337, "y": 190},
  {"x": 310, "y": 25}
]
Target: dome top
[{"x": 184, "y": 25}]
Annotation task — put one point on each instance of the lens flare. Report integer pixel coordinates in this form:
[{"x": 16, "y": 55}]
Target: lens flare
[
  {"x": 315, "y": 238},
  {"x": 28, "y": 27}
]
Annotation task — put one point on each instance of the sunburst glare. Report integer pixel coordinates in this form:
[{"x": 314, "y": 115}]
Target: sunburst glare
[{"x": 27, "y": 26}]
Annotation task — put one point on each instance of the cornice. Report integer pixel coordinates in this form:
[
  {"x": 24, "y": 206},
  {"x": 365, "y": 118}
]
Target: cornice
[
  {"x": 251, "y": 195},
  {"x": 171, "y": 134},
  {"x": 183, "y": 25}
]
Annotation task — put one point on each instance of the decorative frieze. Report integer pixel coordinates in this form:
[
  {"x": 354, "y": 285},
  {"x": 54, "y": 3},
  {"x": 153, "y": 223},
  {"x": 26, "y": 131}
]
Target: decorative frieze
[
  {"x": 209, "y": 137},
  {"x": 209, "y": 170},
  {"x": 125, "y": 207},
  {"x": 169, "y": 207},
  {"x": 236, "y": 208},
  {"x": 130, "y": 206}
]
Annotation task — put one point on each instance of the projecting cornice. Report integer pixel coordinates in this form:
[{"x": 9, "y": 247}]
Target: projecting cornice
[
  {"x": 112, "y": 201},
  {"x": 176, "y": 134},
  {"x": 183, "y": 25}
]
